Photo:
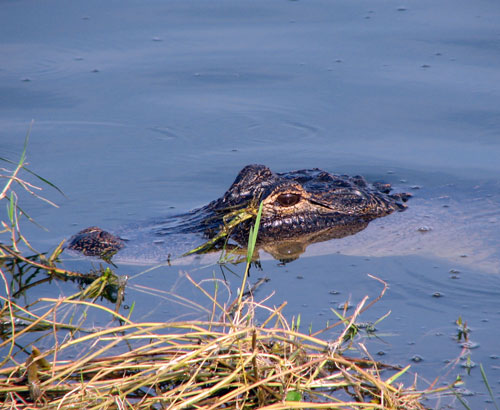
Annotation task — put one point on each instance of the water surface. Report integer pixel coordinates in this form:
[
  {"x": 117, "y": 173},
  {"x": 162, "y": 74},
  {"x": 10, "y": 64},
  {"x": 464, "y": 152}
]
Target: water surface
[{"x": 144, "y": 110}]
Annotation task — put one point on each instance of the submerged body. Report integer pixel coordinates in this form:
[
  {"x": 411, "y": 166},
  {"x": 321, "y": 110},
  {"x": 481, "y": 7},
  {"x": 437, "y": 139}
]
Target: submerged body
[{"x": 299, "y": 208}]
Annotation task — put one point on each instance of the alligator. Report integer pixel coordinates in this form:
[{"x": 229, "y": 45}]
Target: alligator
[{"x": 298, "y": 208}]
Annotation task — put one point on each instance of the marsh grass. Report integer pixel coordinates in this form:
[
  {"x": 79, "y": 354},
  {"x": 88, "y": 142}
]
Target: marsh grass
[
  {"x": 231, "y": 220},
  {"x": 244, "y": 355},
  {"x": 231, "y": 360}
]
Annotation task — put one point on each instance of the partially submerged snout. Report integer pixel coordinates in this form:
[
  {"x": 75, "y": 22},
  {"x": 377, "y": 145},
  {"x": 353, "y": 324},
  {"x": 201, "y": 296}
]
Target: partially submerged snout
[
  {"x": 309, "y": 202},
  {"x": 299, "y": 208}
]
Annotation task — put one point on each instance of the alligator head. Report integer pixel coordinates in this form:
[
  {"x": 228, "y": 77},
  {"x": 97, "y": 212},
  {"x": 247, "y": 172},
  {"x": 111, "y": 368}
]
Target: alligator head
[
  {"x": 299, "y": 208},
  {"x": 311, "y": 203}
]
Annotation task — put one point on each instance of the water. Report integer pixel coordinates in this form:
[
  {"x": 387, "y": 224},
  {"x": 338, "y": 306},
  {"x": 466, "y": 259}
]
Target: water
[{"x": 143, "y": 110}]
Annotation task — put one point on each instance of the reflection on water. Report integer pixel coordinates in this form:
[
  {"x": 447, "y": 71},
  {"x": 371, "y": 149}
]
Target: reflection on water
[
  {"x": 297, "y": 208},
  {"x": 457, "y": 223},
  {"x": 132, "y": 128}
]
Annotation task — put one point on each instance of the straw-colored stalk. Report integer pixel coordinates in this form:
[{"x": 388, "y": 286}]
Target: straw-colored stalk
[{"x": 234, "y": 362}]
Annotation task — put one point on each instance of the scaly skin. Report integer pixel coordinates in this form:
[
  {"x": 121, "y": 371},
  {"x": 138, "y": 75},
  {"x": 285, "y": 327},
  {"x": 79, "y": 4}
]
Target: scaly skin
[{"x": 311, "y": 204}]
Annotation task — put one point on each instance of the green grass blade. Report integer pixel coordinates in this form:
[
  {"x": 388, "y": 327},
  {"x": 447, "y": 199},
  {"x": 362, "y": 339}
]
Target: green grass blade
[
  {"x": 293, "y": 395},
  {"x": 252, "y": 240},
  {"x": 7, "y": 160},
  {"x": 485, "y": 379},
  {"x": 22, "y": 159},
  {"x": 394, "y": 377},
  {"x": 342, "y": 318},
  {"x": 26, "y": 215},
  {"x": 462, "y": 401},
  {"x": 25, "y": 148},
  {"x": 252, "y": 237},
  {"x": 382, "y": 318},
  {"x": 44, "y": 180},
  {"x": 11, "y": 207}
]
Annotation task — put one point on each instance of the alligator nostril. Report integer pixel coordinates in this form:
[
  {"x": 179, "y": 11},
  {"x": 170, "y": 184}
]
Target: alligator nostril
[{"x": 288, "y": 199}]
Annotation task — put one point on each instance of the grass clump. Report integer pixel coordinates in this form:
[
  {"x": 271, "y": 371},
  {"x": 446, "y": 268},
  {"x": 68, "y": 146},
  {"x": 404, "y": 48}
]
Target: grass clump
[
  {"x": 99, "y": 282},
  {"x": 244, "y": 355},
  {"x": 229, "y": 361}
]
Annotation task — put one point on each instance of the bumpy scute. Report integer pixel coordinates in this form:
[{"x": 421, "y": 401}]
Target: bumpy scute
[
  {"x": 309, "y": 203},
  {"x": 94, "y": 241}
]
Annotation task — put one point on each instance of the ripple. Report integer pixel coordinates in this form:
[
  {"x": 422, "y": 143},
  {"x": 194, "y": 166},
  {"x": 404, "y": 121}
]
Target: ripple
[
  {"x": 167, "y": 133},
  {"x": 307, "y": 130},
  {"x": 38, "y": 61}
]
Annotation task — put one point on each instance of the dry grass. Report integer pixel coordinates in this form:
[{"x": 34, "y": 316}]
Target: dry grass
[
  {"x": 229, "y": 361},
  {"x": 245, "y": 355}
]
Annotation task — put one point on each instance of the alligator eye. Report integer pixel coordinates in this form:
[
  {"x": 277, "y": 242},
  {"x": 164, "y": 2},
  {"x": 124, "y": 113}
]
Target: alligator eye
[{"x": 288, "y": 199}]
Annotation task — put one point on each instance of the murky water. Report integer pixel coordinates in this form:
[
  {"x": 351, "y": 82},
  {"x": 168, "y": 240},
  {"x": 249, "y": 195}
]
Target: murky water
[{"x": 144, "y": 110}]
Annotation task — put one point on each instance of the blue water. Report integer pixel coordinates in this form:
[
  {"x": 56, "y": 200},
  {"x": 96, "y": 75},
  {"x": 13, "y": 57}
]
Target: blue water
[{"x": 147, "y": 109}]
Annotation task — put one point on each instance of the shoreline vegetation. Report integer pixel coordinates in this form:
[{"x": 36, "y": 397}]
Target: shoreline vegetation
[{"x": 246, "y": 354}]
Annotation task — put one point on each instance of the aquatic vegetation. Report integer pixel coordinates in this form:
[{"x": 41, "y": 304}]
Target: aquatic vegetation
[
  {"x": 462, "y": 330},
  {"x": 230, "y": 360},
  {"x": 25, "y": 269},
  {"x": 232, "y": 219},
  {"x": 244, "y": 355}
]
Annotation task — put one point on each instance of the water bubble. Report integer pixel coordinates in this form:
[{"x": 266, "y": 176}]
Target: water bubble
[
  {"x": 417, "y": 358},
  {"x": 465, "y": 392},
  {"x": 470, "y": 345},
  {"x": 468, "y": 364}
]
